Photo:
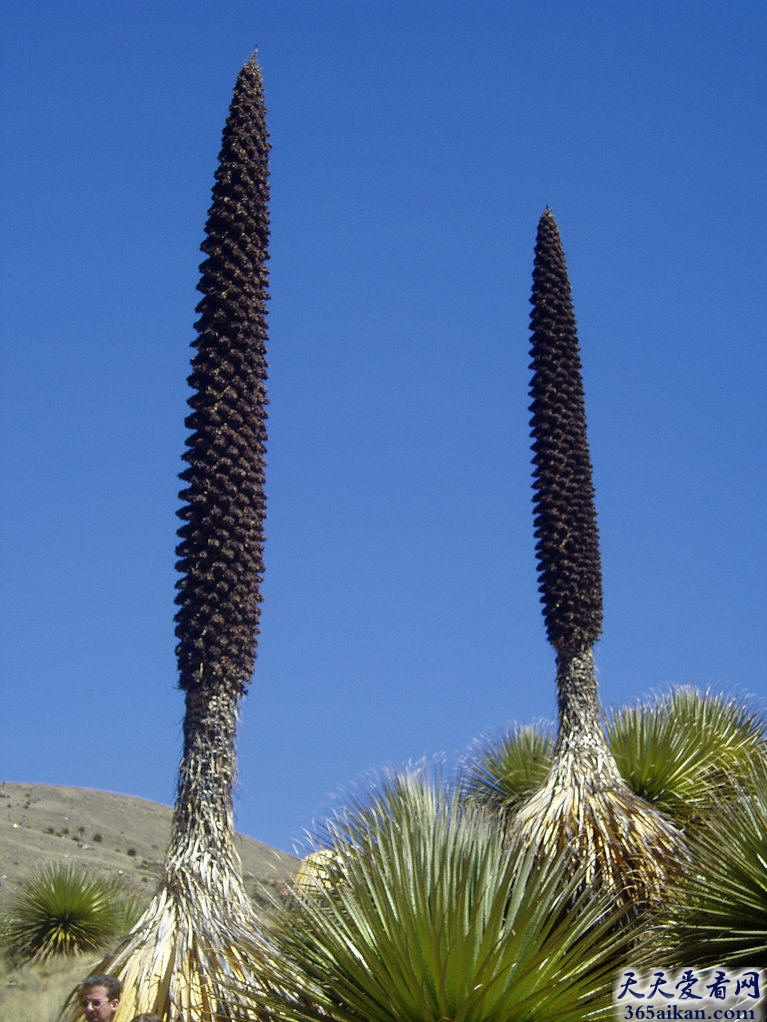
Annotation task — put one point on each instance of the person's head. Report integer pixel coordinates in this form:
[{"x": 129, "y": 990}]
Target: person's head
[
  {"x": 99, "y": 997},
  {"x": 146, "y": 1016}
]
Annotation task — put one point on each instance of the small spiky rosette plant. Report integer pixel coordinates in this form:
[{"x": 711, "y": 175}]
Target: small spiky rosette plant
[
  {"x": 584, "y": 811},
  {"x": 196, "y": 943},
  {"x": 64, "y": 910}
]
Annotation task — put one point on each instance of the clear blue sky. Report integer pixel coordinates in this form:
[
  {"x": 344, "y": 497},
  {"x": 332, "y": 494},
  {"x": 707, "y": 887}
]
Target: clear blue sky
[{"x": 415, "y": 145}]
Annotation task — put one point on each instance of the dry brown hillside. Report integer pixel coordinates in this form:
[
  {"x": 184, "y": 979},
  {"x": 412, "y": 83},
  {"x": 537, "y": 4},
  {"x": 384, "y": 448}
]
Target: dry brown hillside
[{"x": 113, "y": 834}]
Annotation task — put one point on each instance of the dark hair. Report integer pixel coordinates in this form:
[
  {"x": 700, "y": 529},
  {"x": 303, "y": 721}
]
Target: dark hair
[
  {"x": 146, "y": 1016},
  {"x": 111, "y": 984}
]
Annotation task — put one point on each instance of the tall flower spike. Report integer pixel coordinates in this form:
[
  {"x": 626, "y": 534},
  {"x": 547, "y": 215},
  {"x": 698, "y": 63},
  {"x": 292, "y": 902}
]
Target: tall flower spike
[
  {"x": 584, "y": 812},
  {"x": 194, "y": 949},
  {"x": 567, "y": 550},
  {"x": 221, "y": 544}
]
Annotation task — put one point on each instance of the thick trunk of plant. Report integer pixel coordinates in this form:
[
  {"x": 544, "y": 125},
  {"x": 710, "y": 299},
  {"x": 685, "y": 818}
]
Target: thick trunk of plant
[
  {"x": 580, "y": 733},
  {"x": 201, "y": 856},
  {"x": 580, "y": 736},
  {"x": 577, "y": 702},
  {"x": 585, "y": 811}
]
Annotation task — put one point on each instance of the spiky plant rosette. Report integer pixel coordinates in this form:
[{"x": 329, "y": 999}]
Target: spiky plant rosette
[
  {"x": 684, "y": 751},
  {"x": 717, "y": 908},
  {"x": 502, "y": 771},
  {"x": 584, "y": 812},
  {"x": 423, "y": 912},
  {"x": 65, "y": 910},
  {"x": 196, "y": 942}
]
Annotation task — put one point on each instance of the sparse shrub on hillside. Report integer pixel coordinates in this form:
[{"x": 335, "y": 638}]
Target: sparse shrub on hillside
[
  {"x": 64, "y": 910},
  {"x": 4, "y": 931},
  {"x": 33, "y": 991}
]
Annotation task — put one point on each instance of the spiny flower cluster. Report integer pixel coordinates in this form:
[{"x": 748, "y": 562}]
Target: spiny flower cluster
[
  {"x": 221, "y": 542},
  {"x": 569, "y": 572}
]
